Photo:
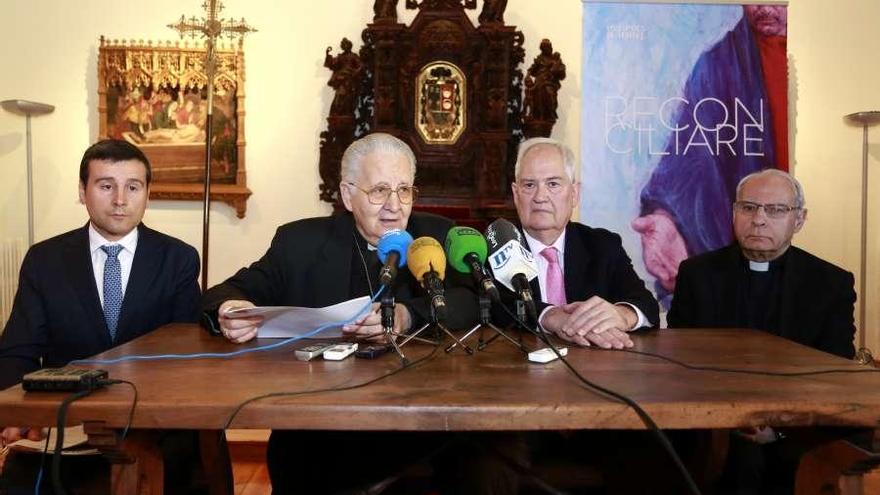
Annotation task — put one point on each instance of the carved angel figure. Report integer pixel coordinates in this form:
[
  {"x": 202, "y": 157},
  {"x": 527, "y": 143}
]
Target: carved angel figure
[
  {"x": 542, "y": 83},
  {"x": 347, "y": 69}
]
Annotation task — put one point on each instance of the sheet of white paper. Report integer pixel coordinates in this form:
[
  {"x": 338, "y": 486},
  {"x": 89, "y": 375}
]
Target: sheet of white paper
[
  {"x": 293, "y": 321},
  {"x": 75, "y": 439}
]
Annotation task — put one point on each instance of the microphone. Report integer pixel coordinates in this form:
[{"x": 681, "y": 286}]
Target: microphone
[
  {"x": 427, "y": 263},
  {"x": 392, "y": 249},
  {"x": 466, "y": 249},
  {"x": 512, "y": 264}
]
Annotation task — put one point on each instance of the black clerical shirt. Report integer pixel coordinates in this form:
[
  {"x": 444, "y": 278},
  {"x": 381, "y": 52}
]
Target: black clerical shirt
[{"x": 760, "y": 295}]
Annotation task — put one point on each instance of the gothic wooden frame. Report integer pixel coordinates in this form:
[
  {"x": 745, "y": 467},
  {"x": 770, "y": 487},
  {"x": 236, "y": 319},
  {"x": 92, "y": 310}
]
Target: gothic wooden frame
[{"x": 178, "y": 167}]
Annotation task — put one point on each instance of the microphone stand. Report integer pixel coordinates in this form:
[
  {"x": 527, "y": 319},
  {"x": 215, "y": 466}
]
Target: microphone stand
[
  {"x": 387, "y": 312},
  {"x": 435, "y": 323},
  {"x": 486, "y": 321},
  {"x": 522, "y": 318}
]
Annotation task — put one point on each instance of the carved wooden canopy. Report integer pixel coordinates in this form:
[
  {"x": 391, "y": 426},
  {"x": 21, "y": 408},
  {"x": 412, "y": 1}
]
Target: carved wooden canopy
[{"x": 452, "y": 91}]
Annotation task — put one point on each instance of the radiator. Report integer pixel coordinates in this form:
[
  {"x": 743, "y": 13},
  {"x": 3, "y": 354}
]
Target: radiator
[{"x": 11, "y": 253}]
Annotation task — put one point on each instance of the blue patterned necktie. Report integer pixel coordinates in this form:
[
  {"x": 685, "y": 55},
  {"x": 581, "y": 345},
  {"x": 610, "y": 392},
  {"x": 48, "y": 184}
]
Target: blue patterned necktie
[{"x": 112, "y": 288}]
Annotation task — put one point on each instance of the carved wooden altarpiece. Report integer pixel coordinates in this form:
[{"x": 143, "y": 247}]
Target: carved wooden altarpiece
[
  {"x": 155, "y": 97},
  {"x": 452, "y": 91}
]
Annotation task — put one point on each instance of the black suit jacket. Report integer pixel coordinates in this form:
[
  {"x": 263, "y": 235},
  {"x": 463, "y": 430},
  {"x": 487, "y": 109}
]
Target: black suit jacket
[
  {"x": 57, "y": 315},
  {"x": 596, "y": 264},
  {"x": 309, "y": 264},
  {"x": 816, "y": 308}
]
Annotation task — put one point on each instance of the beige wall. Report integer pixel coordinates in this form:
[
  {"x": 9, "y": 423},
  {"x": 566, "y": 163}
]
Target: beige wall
[{"x": 49, "y": 55}]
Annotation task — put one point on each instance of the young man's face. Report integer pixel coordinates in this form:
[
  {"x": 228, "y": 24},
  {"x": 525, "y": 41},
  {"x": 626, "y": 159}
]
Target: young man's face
[{"x": 115, "y": 196}]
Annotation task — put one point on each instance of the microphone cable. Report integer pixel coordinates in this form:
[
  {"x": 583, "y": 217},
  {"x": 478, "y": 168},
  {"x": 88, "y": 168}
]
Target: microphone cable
[
  {"x": 206, "y": 355},
  {"x": 61, "y": 419},
  {"x": 57, "y": 486},
  {"x": 721, "y": 369},
  {"x": 42, "y": 462},
  {"x": 647, "y": 420},
  {"x": 414, "y": 364}
]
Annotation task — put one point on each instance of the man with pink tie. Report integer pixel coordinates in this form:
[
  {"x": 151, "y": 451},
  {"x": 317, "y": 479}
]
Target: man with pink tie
[{"x": 588, "y": 291}]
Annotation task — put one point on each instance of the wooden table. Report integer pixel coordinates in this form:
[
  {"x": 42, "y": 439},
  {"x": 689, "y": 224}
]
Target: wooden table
[{"x": 496, "y": 389}]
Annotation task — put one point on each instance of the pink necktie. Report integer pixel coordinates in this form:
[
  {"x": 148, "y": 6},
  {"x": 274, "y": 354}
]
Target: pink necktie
[{"x": 555, "y": 283}]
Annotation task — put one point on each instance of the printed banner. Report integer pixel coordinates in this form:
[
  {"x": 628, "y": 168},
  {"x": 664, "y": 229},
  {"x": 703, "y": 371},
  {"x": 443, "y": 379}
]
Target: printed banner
[{"x": 679, "y": 103}]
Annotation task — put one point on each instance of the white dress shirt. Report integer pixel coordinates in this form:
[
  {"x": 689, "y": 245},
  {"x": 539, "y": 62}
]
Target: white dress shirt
[
  {"x": 536, "y": 246},
  {"x": 99, "y": 257}
]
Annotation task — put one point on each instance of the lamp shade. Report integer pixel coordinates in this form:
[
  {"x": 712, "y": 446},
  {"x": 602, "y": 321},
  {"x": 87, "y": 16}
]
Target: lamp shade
[{"x": 24, "y": 107}]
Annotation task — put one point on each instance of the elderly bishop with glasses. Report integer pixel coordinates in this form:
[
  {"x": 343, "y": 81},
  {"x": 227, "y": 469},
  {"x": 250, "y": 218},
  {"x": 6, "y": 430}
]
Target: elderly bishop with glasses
[
  {"x": 316, "y": 262},
  {"x": 764, "y": 283}
]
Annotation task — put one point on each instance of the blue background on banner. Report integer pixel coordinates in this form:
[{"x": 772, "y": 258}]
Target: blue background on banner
[{"x": 635, "y": 51}]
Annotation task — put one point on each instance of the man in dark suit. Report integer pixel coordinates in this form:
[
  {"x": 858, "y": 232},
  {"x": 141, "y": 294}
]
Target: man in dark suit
[
  {"x": 323, "y": 261},
  {"x": 103, "y": 284},
  {"x": 765, "y": 283},
  {"x": 586, "y": 293},
  {"x": 589, "y": 293}
]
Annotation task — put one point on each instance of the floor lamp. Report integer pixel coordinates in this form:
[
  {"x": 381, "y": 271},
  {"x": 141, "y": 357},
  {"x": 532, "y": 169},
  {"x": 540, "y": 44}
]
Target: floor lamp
[
  {"x": 865, "y": 119},
  {"x": 28, "y": 108}
]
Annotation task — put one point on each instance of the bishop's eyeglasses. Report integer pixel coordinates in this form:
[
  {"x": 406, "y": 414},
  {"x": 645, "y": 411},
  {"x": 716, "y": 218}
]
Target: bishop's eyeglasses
[
  {"x": 378, "y": 195},
  {"x": 772, "y": 210}
]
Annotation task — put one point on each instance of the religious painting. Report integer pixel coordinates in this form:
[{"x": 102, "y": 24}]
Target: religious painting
[
  {"x": 155, "y": 97},
  {"x": 680, "y": 101},
  {"x": 440, "y": 103}
]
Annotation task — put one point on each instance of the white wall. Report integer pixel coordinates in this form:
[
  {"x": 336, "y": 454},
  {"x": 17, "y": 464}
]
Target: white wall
[
  {"x": 833, "y": 49},
  {"x": 49, "y": 54}
]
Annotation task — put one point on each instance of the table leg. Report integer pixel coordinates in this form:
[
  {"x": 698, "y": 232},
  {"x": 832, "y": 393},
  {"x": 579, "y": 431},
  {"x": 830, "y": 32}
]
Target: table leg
[
  {"x": 216, "y": 463},
  {"x": 136, "y": 463}
]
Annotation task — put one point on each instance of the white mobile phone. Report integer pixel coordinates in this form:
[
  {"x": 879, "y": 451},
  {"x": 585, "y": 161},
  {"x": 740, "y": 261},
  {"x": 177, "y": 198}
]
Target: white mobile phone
[
  {"x": 546, "y": 354},
  {"x": 340, "y": 351}
]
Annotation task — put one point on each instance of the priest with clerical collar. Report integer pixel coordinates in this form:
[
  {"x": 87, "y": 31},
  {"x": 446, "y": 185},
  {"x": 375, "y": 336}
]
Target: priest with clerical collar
[{"x": 763, "y": 282}]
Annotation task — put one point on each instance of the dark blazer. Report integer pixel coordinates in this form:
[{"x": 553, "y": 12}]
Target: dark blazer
[
  {"x": 596, "y": 264},
  {"x": 309, "y": 264},
  {"x": 816, "y": 307},
  {"x": 57, "y": 315}
]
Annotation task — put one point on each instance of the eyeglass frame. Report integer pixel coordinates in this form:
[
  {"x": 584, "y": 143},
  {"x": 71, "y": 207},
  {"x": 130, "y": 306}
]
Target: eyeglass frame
[
  {"x": 776, "y": 211},
  {"x": 414, "y": 191}
]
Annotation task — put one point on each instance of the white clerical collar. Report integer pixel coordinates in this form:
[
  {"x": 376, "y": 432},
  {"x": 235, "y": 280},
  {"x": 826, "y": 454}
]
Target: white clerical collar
[
  {"x": 759, "y": 266},
  {"x": 536, "y": 246},
  {"x": 128, "y": 242}
]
